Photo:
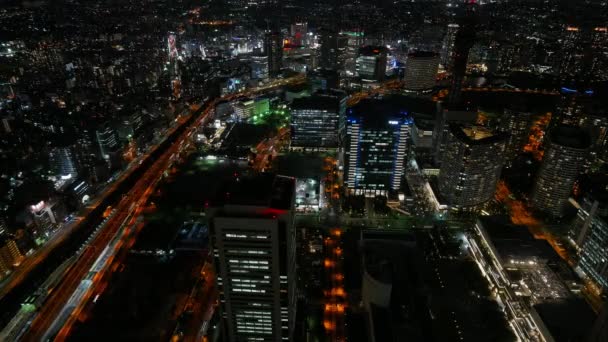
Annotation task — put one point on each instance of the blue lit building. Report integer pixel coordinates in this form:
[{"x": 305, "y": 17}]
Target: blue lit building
[{"x": 377, "y": 139}]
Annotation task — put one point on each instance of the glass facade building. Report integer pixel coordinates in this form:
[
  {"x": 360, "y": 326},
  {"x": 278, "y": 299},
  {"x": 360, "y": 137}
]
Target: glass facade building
[
  {"x": 316, "y": 122},
  {"x": 273, "y": 47},
  {"x": 371, "y": 63},
  {"x": 590, "y": 231},
  {"x": 107, "y": 141},
  {"x": 259, "y": 67},
  {"x": 63, "y": 161},
  {"x": 376, "y": 147}
]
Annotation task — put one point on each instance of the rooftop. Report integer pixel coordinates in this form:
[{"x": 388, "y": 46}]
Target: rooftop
[
  {"x": 567, "y": 320},
  {"x": 570, "y": 136},
  {"x": 515, "y": 241},
  {"x": 477, "y": 132},
  {"x": 475, "y": 135},
  {"x": 315, "y": 102},
  {"x": 423, "y": 54},
  {"x": 262, "y": 190},
  {"x": 372, "y": 50}
]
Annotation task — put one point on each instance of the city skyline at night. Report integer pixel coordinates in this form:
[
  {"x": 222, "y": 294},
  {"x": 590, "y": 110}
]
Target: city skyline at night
[{"x": 316, "y": 170}]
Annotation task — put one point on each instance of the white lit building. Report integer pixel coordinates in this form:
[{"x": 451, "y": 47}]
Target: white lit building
[
  {"x": 253, "y": 239},
  {"x": 564, "y": 158},
  {"x": 421, "y": 71}
]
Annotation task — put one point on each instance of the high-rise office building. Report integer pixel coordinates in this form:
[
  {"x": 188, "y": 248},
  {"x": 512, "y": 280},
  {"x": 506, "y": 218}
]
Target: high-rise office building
[
  {"x": 516, "y": 124},
  {"x": 371, "y": 63},
  {"x": 448, "y": 45},
  {"x": 590, "y": 233},
  {"x": 599, "y": 54},
  {"x": 299, "y": 33},
  {"x": 273, "y": 48},
  {"x": 376, "y": 146},
  {"x": 253, "y": 240},
  {"x": 463, "y": 42},
  {"x": 315, "y": 122},
  {"x": 471, "y": 166},
  {"x": 107, "y": 141},
  {"x": 565, "y": 154},
  {"x": 421, "y": 70},
  {"x": 259, "y": 67},
  {"x": 571, "y": 59},
  {"x": 9, "y": 255},
  {"x": 63, "y": 161},
  {"x": 329, "y": 49}
]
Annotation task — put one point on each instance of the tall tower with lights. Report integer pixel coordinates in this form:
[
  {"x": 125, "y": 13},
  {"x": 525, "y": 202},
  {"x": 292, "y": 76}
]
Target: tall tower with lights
[
  {"x": 463, "y": 41},
  {"x": 253, "y": 238}
]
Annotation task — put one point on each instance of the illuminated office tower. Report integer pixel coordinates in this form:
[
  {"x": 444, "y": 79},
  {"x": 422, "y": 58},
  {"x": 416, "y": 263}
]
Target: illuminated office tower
[
  {"x": 9, "y": 255},
  {"x": 253, "y": 239},
  {"x": 329, "y": 49},
  {"x": 371, "y": 63},
  {"x": 565, "y": 154},
  {"x": 448, "y": 45},
  {"x": 107, "y": 141},
  {"x": 421, "y": 71},
  {"x": 516, "y": 124},
  {"x": 599, "y": 54},
  {"x": 471, "y": 166},
  {"x": 463, "y": 42},
  {"x": 299, "y": 33},
  {"x": 376, "y": 145},
  {"x": 590, "y": 233},
  {"x": 63, "y": 162},
  {"x": 315, "y": 122},
  {"x": 259, "y": 67},
  {"x": 273, "y": 47},
  {"x": 571, "y": 59}
]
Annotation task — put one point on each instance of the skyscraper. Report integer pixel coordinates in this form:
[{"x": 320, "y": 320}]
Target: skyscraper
[
  {"x": 563, "y": 159},
  {"x": 376, "y": 146},
  {"x": 9, "y": 255},
  {"x": 107, "y": 141},
  {"x": 329, "y": 48},
  {"x": 273, "y": 48},
  {"x": 463, "y": 41},
  {"x": 315, "y": 122},
  {"x": 259, "y": 67},
  {"x": 571, "y": 62},
  {"x": 421, "y": 71},
  {"x": 516, "y": 124},
  {"x": 599, "y": 54},
  {"x": 253, "y": 239},
  {"x": 63, "y": 161},
  {"x": 471, "y": 166},
  {"x": 371, "y": 63},
  {"x": 448, "y": 45},
  {"x": 590, "y": 233}
]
